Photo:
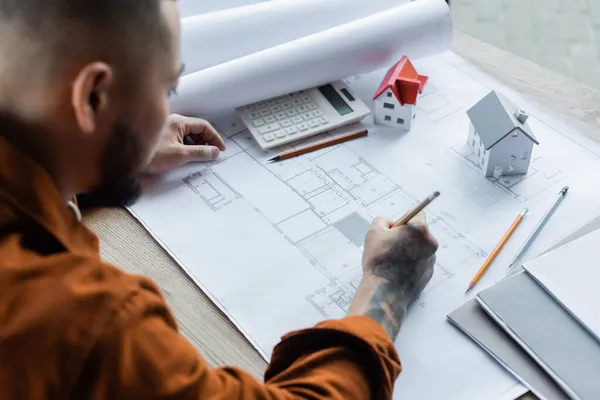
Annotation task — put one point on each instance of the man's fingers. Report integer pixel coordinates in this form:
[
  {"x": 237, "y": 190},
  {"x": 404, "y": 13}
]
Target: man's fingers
[
  {"x": 419, "y": 219},
  {"x": 201, "y": 128},
  {"x": 381, "y": 222},
  {"x": 199, "y": 153}
]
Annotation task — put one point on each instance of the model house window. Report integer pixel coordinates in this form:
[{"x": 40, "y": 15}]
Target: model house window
[
  {"x": 388, "y": 118},
  {"x": 389, "y": 94},
  {"x": 513, "y": 157},
  {"x": 388, "y": 105},
  {"x": 478, "y": 153},
  {"x": 511, "y": 168},
  {"x": 524, "y": 156},
  {"x": 399, "y": 121},
  {"x": 473, "y": 144}
]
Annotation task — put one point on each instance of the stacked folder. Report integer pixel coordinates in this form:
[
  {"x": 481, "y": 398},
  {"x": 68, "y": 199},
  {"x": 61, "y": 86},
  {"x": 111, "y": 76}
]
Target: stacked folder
[{"x": 543, "y": 323}]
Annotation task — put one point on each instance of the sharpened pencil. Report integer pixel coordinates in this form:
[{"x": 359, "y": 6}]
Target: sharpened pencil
[
  {"x": 320, "y": 145},
  {"x": 561, "y": 196},
  {"x": 410, "y": 215},
  {"x": 496, "y": 251}
]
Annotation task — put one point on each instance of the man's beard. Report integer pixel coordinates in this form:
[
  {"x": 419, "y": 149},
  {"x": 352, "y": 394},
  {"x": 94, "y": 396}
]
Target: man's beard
[{"x": 119, "y": 165}]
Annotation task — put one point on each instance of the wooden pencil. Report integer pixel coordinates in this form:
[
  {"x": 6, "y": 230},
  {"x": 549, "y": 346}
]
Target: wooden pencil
[
  {"x": 320, "y": 145},
  {"x": 496, "y": 251},
  {"x": 410, "y": 215}
]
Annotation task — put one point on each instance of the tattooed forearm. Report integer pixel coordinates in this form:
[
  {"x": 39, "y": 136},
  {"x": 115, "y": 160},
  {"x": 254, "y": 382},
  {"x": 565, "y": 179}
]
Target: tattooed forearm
[
  {"x": 402, "y": 274},
  {"x": 388, "y": 307}
]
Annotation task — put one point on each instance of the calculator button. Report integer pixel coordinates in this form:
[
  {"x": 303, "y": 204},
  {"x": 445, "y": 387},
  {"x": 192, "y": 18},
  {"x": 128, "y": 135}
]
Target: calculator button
[
  {"x": 291, "y": 130},
  {"x": 313, "y": 123},
  {"x": 302, "y": 109},
  {"x": 281, "y": 116},
  {"x": 261, "y": 104},
  {"x": 317, "y": 113},
  {"x": 270, "y": 119},
  {"x": 253, "y": 114},
  {"x": 303, "y": 127},
  {"x": 312, "y": 106},
  {"x": 268, "y": 128},
  {"x": 297, "y": 120},
  {"x": 306, "y": 99},
  {"x": 258, "y": 122},
  {"x": 264, "y": 112},
  {"x": 286, "y": 105},
  {"x": 297, "y": 102},
  {"x": 307, "y": 116},
  {"x": 286, "y": 123},
  {"x": 323, "y": 120},
  {"x": 291, "y": 113},
  {"x": 276, "y": 109},
  {"x": 270, "y": 102},
  {"x": 268, "y": 137},
  {"x": 249, "y": 108},
  {"x": 293, "y": 95},
  {"x": 280, "y": 134}
]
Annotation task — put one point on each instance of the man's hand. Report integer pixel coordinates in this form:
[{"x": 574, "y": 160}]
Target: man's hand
[
  {"x": 397, "y": 265},
  {"x": 173, "y": 152}
]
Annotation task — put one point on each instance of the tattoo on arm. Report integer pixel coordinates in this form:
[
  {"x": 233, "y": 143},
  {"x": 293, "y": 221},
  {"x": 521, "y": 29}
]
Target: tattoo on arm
[{"x": 406, "y": 270}]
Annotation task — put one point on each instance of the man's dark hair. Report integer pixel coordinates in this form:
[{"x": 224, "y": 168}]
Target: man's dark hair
[{"x": 110, "y": 30}]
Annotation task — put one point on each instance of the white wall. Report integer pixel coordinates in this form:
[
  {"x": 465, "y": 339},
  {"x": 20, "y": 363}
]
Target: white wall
[
  {"x": 500, "y": 155},
  {"x": 406, "y": 112}
]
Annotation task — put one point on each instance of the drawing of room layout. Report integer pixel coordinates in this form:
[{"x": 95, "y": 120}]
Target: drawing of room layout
[
  {"x": 213, "y": 190},
  {"x": 541, "y": 175}
]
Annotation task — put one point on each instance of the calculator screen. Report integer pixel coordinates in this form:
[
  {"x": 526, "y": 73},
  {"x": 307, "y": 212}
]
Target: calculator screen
[{"x": 335, "y": 99}]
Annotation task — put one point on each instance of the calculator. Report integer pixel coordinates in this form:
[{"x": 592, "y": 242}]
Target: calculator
[{"x": 301, "y": 114}]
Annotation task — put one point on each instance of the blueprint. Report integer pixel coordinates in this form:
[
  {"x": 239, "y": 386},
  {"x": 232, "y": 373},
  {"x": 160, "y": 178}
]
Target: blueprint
[{"x": 277, "y": 246}]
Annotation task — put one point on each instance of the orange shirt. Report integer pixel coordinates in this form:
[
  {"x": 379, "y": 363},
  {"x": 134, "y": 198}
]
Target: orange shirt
[{"x": 74, "y": 327}]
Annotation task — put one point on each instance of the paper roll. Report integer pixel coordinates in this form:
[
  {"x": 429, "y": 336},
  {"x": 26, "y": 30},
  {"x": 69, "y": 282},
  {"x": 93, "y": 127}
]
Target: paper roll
[
  {"x": 417, "y": 29},
  {"x": 211, "y": 39}
]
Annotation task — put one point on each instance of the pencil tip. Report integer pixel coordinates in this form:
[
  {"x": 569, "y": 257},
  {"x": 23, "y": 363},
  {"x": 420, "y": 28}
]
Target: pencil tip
[{"x": 469, "y": 288}]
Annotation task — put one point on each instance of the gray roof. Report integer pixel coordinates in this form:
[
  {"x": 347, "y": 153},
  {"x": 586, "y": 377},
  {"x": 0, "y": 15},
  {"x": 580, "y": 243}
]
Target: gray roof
[{"x": 494, "y": 118}]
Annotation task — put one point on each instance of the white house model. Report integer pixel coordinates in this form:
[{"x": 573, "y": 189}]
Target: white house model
[
  {"x": 500, "y": 137},
  {"x": 396, "y": 98}
]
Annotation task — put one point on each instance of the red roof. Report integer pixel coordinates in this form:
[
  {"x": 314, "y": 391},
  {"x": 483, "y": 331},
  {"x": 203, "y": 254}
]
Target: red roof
[{"x": 404, "y": 81}]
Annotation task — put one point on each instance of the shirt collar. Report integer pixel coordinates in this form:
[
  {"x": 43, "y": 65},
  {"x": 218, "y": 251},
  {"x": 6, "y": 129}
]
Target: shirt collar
[{"x": 26, "y": 186}]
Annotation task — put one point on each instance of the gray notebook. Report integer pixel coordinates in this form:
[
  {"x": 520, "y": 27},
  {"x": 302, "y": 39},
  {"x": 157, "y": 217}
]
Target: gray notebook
[
  {"x": 549, "y": 334},
  {"x": 475, "y": 323}
]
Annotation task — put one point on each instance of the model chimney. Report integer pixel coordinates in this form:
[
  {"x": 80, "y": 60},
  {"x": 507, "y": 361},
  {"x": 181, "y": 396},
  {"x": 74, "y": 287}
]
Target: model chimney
[{"x": 521, "y": 115}]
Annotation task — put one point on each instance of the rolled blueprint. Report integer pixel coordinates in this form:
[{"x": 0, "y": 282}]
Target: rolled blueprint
[
  {"x": 214, "y": 38},
  {"x": 193, "y": 7},
  {"x": 418, "y": 29}
]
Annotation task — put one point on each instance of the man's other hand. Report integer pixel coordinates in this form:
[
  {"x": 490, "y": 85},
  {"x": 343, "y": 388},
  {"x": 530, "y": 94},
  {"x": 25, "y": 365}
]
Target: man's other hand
[
  {"x": 398, "y": 263},
  {"x": 173, "y": 151}
]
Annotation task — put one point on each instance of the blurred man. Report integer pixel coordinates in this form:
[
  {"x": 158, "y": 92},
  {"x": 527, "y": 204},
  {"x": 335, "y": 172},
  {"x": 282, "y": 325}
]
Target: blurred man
[{"x": 84, "y": 88}]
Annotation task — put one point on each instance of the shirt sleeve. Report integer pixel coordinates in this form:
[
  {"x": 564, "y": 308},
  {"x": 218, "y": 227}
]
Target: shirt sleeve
[{"x": 142, "y": 355}]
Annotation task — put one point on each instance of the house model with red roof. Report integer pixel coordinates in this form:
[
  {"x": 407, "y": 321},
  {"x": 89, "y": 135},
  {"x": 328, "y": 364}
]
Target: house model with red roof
[{"x": 396, "y": 98}]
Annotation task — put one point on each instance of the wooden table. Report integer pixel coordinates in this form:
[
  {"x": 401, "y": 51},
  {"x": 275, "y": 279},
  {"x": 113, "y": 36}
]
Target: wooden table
[{"x": 126, "y": 244}]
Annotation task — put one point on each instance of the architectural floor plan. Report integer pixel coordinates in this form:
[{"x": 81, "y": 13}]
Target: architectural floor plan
[{"x": 277, "y": 246}]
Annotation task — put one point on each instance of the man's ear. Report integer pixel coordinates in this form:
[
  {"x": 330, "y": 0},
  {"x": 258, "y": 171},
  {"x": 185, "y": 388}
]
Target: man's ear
[{"x": 90, "y": 94}]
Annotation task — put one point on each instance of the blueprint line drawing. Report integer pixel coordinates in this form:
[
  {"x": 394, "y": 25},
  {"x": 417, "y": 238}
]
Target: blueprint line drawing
[
  {"x": 541, "y": 175},
  {"x": 342, "y": 193},
  {"x": 213, "y": 190}
]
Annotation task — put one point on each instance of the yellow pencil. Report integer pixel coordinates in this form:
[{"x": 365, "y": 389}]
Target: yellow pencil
[{"x": 495, "y": 252}]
